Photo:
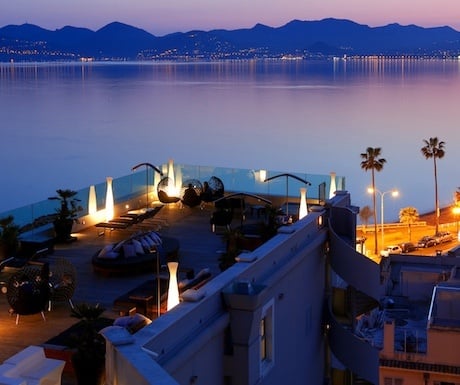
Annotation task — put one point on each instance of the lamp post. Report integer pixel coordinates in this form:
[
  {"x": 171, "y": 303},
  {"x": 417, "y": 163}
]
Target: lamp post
[
  {"x": 147, "y": 166},
  {"x": 394, "y": 193}
]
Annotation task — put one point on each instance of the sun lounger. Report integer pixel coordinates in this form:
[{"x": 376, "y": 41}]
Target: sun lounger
[
  {"x": 111, "y": 225},
  {"x": 128, "y": 219}
]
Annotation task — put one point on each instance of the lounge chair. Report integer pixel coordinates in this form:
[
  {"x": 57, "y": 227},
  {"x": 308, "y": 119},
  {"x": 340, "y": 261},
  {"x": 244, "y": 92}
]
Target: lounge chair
[
  {"x": 217, "y": 187},
  {"x": 28, "y": 291},
  {"x": 221, "y": 217},
  {"x": 192, "y": 190},
  {"x": 63, "y": 281},
  {"x": 162, "y": 188}
]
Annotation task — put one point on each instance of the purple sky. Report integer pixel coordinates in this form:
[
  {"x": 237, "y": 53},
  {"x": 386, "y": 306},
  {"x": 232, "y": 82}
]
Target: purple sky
[{"x": 161, "y": 17}]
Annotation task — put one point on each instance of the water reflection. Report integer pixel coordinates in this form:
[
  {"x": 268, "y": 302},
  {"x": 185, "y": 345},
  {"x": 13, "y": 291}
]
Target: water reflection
[{"x": 78, "y": 123}]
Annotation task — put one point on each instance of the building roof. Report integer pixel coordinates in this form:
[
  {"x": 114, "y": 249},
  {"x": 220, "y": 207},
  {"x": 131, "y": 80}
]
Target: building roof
[{"x": 445, "y": 309}]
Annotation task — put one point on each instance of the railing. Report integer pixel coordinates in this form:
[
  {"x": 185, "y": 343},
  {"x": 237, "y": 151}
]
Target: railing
[
  {"x": 391, "y": 225},
  {"x": 143, "y": 184}
]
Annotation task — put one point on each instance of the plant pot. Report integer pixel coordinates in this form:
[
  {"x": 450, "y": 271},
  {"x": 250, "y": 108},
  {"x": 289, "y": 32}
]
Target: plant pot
[
  {"x": 249, "y": 243},
  {"x": 63, "y": 229},
  {"x": 88, "y": 369}
]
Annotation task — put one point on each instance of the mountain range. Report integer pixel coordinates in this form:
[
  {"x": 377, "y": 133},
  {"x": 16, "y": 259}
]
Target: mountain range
[{"x": 327, "y": 37}]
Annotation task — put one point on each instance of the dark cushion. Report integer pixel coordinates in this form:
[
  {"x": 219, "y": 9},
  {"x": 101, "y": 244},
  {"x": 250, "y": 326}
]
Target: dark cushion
[{"x": 134, "y": 262}]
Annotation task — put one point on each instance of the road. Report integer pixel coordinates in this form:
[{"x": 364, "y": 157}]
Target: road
[{"x": 398, "y": 235}]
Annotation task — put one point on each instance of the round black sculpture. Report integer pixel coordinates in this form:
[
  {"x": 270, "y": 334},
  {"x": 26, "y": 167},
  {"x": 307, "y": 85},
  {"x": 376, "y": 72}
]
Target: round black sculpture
[{"x": 191, "y": 192}]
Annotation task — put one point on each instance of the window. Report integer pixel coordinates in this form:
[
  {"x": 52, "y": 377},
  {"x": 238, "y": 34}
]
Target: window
[
  {"x": 445, "y": 383},
  {"x": 393, "y": 381},
  {"x": 266, "y": 338}
]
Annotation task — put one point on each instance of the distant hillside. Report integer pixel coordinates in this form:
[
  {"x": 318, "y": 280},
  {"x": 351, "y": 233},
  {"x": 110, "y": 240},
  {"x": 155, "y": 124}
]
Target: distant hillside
[{"x": 328, "y": 37}]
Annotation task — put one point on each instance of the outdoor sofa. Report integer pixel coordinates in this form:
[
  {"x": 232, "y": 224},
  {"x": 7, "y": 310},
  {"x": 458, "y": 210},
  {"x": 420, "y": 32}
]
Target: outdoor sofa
[{"x": 138, "y": 253}]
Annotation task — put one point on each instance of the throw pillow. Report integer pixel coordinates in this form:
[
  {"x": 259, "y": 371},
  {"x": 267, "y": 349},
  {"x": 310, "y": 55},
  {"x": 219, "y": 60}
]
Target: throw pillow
[
  {"x": 106, "y": 249},
  {"x": 145, "y": 245},
  {"x": 119, "y": 245},
  {"x": 155, "y": 237},
  {"x": 110, "y": 255},
  {"x": 149, "y": 241},
  {"x": 138, "y": 247},
  {"x": 129, "y": 250}
]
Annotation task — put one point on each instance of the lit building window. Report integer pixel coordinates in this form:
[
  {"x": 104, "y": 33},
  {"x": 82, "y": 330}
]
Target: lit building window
[
  {"x": 393, "y": 381},
  {"x": 320, "y": 222},
  {"x": 267, "y": 338}
]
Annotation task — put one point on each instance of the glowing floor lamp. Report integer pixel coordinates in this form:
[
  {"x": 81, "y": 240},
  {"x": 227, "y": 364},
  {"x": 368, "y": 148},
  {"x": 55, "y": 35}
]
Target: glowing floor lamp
[
  {"x": 109, "y": 210},
  {"x": 333, "y": 187},
  {"x": 172, "y": 187},
  {"x": 173, "y": 290},
  {"x": 92, "y": 202},
  {"x": 303, "y": 210},
  {"x": 287, "y": 176}
]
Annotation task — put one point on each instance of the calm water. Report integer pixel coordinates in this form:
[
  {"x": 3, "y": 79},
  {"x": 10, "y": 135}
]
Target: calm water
[{"x": 69, "y": 126}]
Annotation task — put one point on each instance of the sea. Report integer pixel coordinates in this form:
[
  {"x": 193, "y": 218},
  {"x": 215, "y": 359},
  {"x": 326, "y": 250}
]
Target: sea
[{"x": 70, "y": 125}]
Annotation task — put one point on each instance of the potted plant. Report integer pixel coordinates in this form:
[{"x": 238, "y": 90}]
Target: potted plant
[
  {"x": 9, "y": 237},
  {"x": 66, "y": 214},
  {"x": 227, "y": 259},
  {"x": 88, "y": 360}
]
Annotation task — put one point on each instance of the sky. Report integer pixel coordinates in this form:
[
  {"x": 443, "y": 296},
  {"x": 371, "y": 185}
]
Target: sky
[{"x": 161, "y": 17}]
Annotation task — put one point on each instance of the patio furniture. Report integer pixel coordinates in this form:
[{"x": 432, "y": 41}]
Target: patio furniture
[
  {"x": 28, "y": 291},
  {"x": 131, "y": 218},
  {"x": 213, "y": 189},
  {"x": 191, "y": 195},
  {"x": 145, "y": 296},
  {"x": 217, "y": 187},
  {"x": 62, "y": 281},
  {"x": 31, "y": 366},
  {"x": 136, "y": 254},
  {"x": 162, "y": 191},
  {"x": 222, "y": 217}
]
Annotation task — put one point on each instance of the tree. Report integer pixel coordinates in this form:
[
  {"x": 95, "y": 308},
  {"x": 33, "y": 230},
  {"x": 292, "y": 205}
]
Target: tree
[
  {"x": 408, "y": 215},
  {"x": 364, "y": 214},
  {"x": 434, "y": 148},
  {"x": 372, "y": 161}
]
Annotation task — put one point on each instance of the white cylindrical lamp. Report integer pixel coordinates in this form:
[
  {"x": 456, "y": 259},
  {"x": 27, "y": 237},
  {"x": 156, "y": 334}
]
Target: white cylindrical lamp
[
  {"x": 173, "y": 289},
  {"x": 303, "y": 209},
  {"x": 333, "y": 186},
  {"x": 109, "y": 204},
  {"x": 92, "y": 202},
  {"x": 262, "y": 175}
]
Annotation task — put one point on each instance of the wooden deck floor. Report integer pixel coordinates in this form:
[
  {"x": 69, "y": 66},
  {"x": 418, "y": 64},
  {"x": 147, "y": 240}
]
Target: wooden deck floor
[{"x": 199, "y": 248}]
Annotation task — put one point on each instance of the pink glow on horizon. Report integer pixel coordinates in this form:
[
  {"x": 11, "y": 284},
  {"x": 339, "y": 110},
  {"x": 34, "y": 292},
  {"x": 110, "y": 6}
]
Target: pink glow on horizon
[{"x": 166, "y": 16}]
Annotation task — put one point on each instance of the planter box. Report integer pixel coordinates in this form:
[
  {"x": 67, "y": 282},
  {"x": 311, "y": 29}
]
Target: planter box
[{"x": 57, "y": 347}]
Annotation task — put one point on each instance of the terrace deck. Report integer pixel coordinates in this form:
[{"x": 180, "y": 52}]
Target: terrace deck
[{"x": 199, "y": 249}]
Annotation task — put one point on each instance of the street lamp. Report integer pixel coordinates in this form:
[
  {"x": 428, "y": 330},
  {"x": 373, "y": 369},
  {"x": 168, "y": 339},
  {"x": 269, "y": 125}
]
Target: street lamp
[{"x": 394, "y": 193}]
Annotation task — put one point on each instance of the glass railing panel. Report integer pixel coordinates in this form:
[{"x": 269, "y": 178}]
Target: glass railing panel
[{"x": 146, "y": 179}]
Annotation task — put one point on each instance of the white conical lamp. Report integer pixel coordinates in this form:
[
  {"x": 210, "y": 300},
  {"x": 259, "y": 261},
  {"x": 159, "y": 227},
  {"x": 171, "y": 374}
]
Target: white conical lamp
[
  {"x": 333, "y": 187},
  {"x": 262, "y": 175},
  {"x": 171, "y": 189},
  {"x": 92, "y": 202},
  {"x": 303, "y": 210},
  {"x": 109, "y": 210},
  {"x": 173, "y": 290}
]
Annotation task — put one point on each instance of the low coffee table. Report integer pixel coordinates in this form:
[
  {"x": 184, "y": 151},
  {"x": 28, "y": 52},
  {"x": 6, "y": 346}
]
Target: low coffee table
[{"x": 142, "y": 297}]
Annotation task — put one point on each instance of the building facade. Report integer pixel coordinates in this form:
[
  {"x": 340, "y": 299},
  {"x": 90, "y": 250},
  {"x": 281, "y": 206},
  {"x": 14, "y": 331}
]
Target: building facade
[{"x": 284, "y": 313}]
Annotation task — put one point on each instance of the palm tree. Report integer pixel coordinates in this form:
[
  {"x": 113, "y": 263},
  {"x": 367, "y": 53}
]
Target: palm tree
[
  {"x": 434, "y": 148},
  {"x": 408, "y": 215},
  {"x": 372, "y": 161}
]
